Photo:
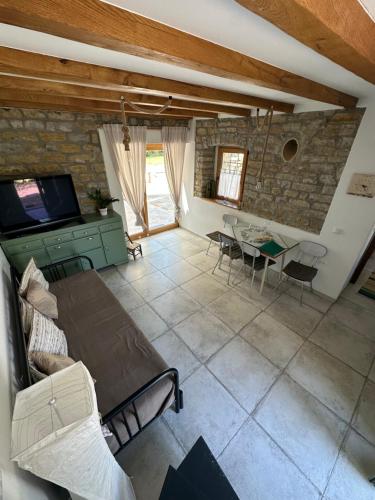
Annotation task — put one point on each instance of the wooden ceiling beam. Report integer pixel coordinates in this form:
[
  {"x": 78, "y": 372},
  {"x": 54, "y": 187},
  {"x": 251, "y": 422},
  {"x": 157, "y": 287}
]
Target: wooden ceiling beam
[
  {"x": 97, "y": 23},
  {"x": 78, "y": 91},
  {"x": 16, "y": 98},
  {"x": 341, "y": 31},
  {"x": 19, "y": 62}
]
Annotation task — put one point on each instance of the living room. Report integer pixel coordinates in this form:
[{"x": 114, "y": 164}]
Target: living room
[{"x": 187, "y": 243}]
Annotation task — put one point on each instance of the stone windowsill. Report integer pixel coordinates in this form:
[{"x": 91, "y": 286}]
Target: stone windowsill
[{"x": 223, "y": 203}]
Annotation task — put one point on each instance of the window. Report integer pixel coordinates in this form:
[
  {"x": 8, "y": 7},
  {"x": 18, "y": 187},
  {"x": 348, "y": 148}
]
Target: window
[{"x": 231, "y": 170}]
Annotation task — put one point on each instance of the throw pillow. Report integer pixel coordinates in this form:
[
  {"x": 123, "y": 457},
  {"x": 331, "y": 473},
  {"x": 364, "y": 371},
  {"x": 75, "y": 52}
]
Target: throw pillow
[
  {"x": 31, "y": 272},
  {"x": 43, "y": 300},
  {"x": 27, "y": 312},
  {"x": 48, "y": 363},
  {"x": 46, "y": 337}
]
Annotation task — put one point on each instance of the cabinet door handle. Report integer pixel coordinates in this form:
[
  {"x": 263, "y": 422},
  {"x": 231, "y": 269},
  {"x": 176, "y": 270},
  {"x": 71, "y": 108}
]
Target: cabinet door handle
[
  {"x": 58, "y": 239},
  {"x": 91, "y": 238},
  {"x": 26, "y": 246},
  {"x": 58, "y": 246},
  {"x": 85, "y": 232}
]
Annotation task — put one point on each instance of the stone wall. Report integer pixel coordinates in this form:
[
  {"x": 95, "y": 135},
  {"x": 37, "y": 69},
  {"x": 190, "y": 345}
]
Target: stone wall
[
  {"x": 49, "y": 142},
  {"x": 297, "y": 192}
]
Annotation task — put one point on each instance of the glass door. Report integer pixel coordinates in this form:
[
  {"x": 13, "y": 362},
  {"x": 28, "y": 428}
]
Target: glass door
[{"x": 159, "y": 207}]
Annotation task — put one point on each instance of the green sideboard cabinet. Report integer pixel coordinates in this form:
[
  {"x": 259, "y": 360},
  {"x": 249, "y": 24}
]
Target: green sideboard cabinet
[{"x": 100, "y": 238}]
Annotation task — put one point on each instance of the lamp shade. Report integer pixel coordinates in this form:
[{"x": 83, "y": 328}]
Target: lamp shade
[{"x": 56, "y": 435}]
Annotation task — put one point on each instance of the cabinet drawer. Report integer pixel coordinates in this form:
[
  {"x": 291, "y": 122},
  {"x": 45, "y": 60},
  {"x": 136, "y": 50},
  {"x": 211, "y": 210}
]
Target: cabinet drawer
[
  {"x": 88, "y": 243},
  {"x": 62, "y": 251},
  {"x": 98, "y": 258},
  {"x": 59, "y": 238},
  {"x": 110, "y": 227},
  {"x": 114, "y": 247},
  {"x": 23, "y": 247},
  {"x": 85, "y": 232},
  {"x": 21, "y": 260}
]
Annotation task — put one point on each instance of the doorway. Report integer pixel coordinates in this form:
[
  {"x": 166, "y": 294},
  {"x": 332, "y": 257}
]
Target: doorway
[{"x": 158, "y": 209}]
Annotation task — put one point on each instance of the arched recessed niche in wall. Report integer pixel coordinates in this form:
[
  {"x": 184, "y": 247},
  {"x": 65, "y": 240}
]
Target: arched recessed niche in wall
[{"x": 290, "y": 149}]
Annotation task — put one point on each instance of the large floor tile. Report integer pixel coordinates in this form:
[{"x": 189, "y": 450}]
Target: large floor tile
[
  {"x": 244, "y": 372},
  {"x": 153, "y": 285},
  {"x": 149, "y": 245},
  {"x": 356, "y": 317},
  {"x": 372, "y": 372},
  {"x": 364, "y": 420},
  {"x": 149, "y": 322},
  {"x": 167, "y": 238},
  {"x": 331, "y": 381},
  {"x": 342, "y": 342},
  {"x": 203, "y": 333},
  {"x": 175, "y": 306},
  {"x": 259, "y": 470},
  {"x": 129, "y": 298},
  {"x": 135, "y": 269},
  {"x": 147, "y": 458},
  {"x": 233, "y": 310},
  {"x": 251, "y": 293},
  {"x": 162, "y": 259},
  {"x": 202, "y": 261},
  {"x": 112, "y": 278},
  {"x": 181, "y": 272},
  {"x": 209, "y": 411},
  {"x": 185, "y": 249},
  {"x": 300, "y": 318},
  {"x": 314, "y": 300},
  {"x": 354, "y": 467},
  {"x": 204, "y": 289},
  {"x": 274, "y": 340},
  {"x": 306, "y": 430},
  {"x": 176, "y": 354}
]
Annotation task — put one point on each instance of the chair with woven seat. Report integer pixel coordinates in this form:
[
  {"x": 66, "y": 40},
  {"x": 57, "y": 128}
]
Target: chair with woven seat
[
  {"x": 134, "y": 249},
  {"x": 252, "y": 258},
  {"x": 230, "y": 248},
  {"x": 229, "y": 220},
  {"x": 304, "y": 269}
]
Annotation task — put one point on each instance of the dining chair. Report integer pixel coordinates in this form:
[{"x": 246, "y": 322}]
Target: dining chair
[
  {"x": 134, "y": 249},
  {"x": 252, "y": 258},
  {"x": 304, "y": 268},
  {"x": 229, "y": 220},
  {"x": 229, "y": 247}
]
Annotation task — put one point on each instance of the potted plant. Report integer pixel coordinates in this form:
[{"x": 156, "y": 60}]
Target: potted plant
[{"x": 102, "y": 201}]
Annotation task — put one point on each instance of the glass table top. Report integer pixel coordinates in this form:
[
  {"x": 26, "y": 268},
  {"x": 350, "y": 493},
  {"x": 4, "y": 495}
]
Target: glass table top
[{"x": 269, "y": 242}]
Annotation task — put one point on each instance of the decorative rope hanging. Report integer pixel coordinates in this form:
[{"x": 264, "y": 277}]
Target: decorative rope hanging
[
  {"x": 267, "y": 118},
  {"x": 125, "y": 127}
]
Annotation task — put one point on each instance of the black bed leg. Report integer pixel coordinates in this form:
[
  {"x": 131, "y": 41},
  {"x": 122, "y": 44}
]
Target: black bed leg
[{"x": 181, "y": 399}]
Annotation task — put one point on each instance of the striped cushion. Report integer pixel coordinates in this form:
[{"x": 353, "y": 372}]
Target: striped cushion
[{"x": 46, "y": 337}]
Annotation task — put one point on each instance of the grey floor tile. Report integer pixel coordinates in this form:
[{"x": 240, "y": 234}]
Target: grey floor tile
[
  {"x": 204, "y": 289},
  {"x": 209, "y": 411},
  {"x": 314, "y": 299},
  {"x": 300, "y": 318},
  {"x": 364, "y": 420},
  {"x": 354, "y": 467},
  {"x": 244, "y": 372},
  {"x": 259, "y": 470},
  {"x": 112, "y": 278},
  {"x": 342, "y": 342},
  {"x": 185, "y": 249},
  {"x": 135, "y": 269},
  {"x": 181, "y": 272},
  {"x": 202, "y": 261},
  {"x": 149, "y": 245},
  {"x": 354, "y": 316},
  {"x": 274, "y": 340},
  {"x": 233, "y": 310},
  {"x": 328, "y": 379},
  {"x": 129, "y": 298},
  {"x": 306, "y": 430},
  {"x": 203, "y": 333},
  {"x": 251, "y": 293},
  {"x": 153, "y": 285},
  {"x": 148, "y": 457},
  {"x": 148, "y": 321},
  {"x": 372, "y": 372},
  {"x": 162, "y": 259},
  {"x": 167, "y": 238},
  {"x": 175, "y": 306},
  {"x": 176, "y": 354}
]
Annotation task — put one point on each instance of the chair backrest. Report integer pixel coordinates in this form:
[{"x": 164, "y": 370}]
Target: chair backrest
[
  {"x": 226, "y": 240},
  {"x": 309, "y": 250},
  {"x": 250, "y": 249},
  {"x": 230, "y": 220}
]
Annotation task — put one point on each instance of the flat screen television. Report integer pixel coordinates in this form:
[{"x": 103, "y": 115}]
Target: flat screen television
[{"x": 31, "y": 203}]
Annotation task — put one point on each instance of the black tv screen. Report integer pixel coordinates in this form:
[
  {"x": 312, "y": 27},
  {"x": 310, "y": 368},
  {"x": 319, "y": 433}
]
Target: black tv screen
[{"x": 31, "y": 202}]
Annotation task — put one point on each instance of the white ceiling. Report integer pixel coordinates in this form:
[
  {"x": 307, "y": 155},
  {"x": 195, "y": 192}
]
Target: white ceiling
[{"x": 222, "y": 21}]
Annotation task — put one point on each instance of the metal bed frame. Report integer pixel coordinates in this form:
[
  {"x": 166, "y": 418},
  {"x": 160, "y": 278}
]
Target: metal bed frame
[{"x": 117, "y": 416}]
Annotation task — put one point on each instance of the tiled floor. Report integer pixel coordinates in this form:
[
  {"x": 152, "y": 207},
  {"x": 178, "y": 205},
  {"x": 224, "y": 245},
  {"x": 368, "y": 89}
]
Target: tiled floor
[{"x": 283, "y": 394}]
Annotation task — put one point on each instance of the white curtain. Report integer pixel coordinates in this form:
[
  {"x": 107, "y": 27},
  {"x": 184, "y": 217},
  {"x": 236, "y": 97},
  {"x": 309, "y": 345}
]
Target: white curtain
[
  {"x": 130, "y": 166},
  {"x": 174, "y": 143}
]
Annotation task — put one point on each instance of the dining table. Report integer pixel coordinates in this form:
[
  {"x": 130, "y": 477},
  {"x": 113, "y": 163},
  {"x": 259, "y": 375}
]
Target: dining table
[{"x": 271, "y": 244}]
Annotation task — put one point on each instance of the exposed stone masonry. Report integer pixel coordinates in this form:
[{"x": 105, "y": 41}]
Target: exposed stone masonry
[
  {"x": 49, "y": 142},
  {"x": 299, "y": 192}
]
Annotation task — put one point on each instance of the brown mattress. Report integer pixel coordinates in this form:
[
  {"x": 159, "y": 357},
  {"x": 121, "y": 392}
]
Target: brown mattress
[{"x": 102, "y": 335}]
